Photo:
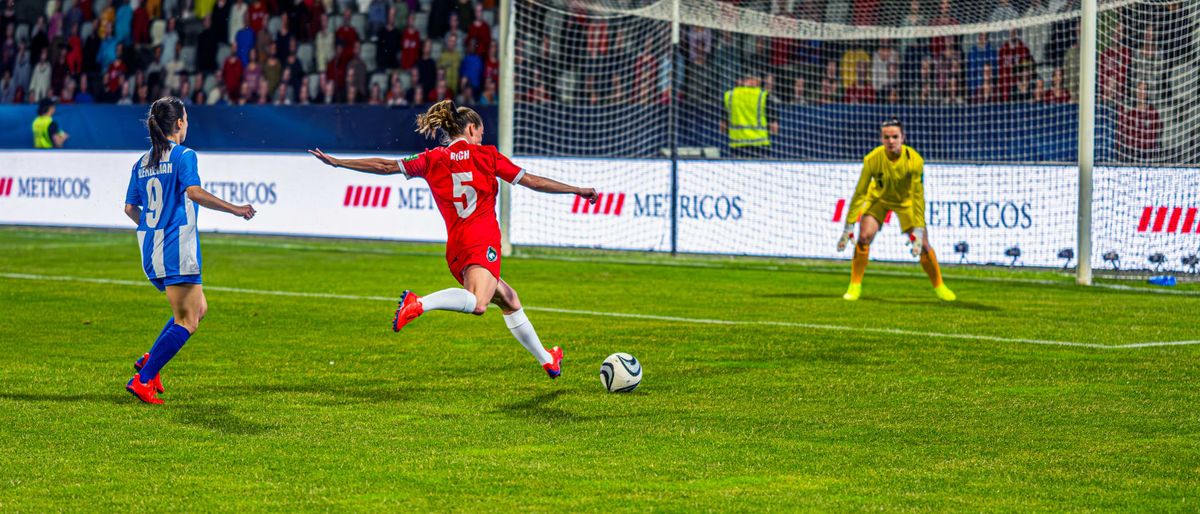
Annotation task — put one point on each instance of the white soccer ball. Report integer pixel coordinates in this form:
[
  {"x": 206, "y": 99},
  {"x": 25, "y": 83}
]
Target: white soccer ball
[{"x": 620, "y": 373}]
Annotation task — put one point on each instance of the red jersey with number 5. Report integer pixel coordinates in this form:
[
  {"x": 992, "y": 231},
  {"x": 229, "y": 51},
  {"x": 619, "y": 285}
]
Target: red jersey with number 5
[{"x": 462, "y": 177}]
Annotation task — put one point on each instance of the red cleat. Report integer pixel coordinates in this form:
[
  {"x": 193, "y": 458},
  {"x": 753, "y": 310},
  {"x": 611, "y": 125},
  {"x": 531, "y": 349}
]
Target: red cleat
[
  {"x": 554, "y": 369},
  {"x": 407, "y": 310},
  {"x": 141, "y": 390},
  {"x": 156, "y": 383}
]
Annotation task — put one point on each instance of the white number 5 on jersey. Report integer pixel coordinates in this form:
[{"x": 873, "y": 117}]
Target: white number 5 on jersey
[{"x": 465, "y": 192}]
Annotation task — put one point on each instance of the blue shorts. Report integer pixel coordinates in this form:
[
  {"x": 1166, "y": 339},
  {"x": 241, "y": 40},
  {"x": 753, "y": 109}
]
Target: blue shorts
[{"x": 174, "y": 280}]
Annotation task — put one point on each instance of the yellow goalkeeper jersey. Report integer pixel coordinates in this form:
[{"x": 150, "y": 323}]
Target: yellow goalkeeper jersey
[{"x": 896, "y": 185}]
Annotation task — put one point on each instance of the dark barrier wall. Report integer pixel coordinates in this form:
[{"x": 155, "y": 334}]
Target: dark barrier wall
[
  {"x": 247, "y": 128},
  {"x": 988, "y": 133}
]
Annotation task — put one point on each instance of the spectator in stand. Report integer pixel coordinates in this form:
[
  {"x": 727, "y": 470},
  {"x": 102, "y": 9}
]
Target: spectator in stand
[
  {"x": 850, "y": 60},
  {"x": 169, "y": 38},
  {"x": 1114, "y": 61},
  {"x": 938, "y": 45},
  {"x": 67, "y": 95},
  {"x": 799, "y": 92},
  {"x": 281, "y": 95},
  {"x": 387, "y": 46},
  {"x": 491, "y": 68},
  {"x": 416, "y": 92},
  {"x": 410, "y": 44},
  {"x": 123, "y": 22},
  {"x": 356, "y": 66},
  {"x": 395, "y": 95},
  {"x": 466, "y": 95},
  {"x": 324, "y": 44},
  {"x": 982, "y": 54},
  {"x": 84, "y": 96},
  {"x": 74, "y": 51},
  {"x": 256, "y": 17},
  {"x": 140, "y": 26},
  {"x": 284, "y": 41},
  {"x": 1058, "y": 93},
  {"x": 439, "y": 93},
  {"x": 206, "y": 47},
  {"x": 347, "y": 36},
  {"x": 231, "y": 74},
  {"x": 831, "y": 84},
  {"x": 378, "y": 14},
  {"x": 488, "y": 96},
  {"x": 984, "y": 92},
  {"x": 8, "y": 88},
  {"x": 107, "y": 52},
  {"x": 471, "y": 70},
  {"x": 450, "y": 59},
  {"x": 885, "y": 58},
  {"x": 1012, "y": 53},
  {"x": 466, "y": 12},
  {"x": 1139, "y": 128},
  {"x": 1023, "y": 83},
  {"x": 865, "y": 13},
  {"x": 479, "y": 34},
  {"x": 375, "y": 97},
  {"x": 861, "y": 92},
  {"x": 253, "y": 73},
  {"x": 439, "y": 18},
  {"x": 272, "y": 70},
  {"x": 926, "y": 94},
  {"x": 244, "y": 41},
  {"x": 58, "y": 77},
  {"x": 237, "y": 19},
  {"x": 427, "y": 68}
]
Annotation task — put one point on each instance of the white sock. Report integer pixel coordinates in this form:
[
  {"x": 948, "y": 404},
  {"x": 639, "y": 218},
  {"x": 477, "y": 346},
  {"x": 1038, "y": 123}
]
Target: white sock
[
  {"x": 522, "y": 329},
  {"x": 458, "y": 300}
]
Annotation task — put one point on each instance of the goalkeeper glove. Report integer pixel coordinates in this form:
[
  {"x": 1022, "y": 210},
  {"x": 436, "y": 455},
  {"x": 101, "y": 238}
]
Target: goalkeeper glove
[
  {"x": 847, "y": 234},
  {"x": 917, "y": 240}
]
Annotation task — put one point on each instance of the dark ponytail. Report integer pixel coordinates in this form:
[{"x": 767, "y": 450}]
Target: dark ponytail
[{"x": 162, "y": 121}]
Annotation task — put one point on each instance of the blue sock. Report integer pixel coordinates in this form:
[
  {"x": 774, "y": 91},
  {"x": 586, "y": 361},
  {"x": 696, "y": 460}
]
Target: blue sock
[
  {"x": 164, "y": 350},
  {"x": 160, "y": 336}
]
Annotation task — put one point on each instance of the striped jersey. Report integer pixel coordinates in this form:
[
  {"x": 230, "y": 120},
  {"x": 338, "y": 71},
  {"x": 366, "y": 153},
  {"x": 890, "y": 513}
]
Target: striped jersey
[{"x": 166, "y": 232}]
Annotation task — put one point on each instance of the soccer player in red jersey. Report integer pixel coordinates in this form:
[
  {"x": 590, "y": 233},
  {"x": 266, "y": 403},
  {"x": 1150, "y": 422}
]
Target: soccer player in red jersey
[{"x": 462, "y": 176}]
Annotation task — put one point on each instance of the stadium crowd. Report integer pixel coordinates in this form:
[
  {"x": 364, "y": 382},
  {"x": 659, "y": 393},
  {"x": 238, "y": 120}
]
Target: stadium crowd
[{"x": 249, "y": 52}]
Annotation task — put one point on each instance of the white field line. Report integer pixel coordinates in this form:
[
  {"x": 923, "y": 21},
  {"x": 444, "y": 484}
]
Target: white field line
[{"x": 651, "y": 317}]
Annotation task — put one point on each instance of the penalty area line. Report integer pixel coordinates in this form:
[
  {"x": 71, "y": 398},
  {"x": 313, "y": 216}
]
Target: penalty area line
[{"x": 629, "y": 315}]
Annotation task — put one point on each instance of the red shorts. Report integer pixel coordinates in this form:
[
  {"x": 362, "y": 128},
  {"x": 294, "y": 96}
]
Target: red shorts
[{"x": 459, "y": 259}]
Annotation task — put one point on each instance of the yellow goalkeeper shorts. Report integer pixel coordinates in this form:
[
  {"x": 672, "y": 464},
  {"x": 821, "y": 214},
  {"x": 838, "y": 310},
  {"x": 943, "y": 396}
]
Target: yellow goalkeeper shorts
[{"x": 879, "y": 211}]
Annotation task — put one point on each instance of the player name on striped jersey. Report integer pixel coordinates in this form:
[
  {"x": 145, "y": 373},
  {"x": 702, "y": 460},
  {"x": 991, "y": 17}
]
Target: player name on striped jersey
[{"x": 163, "y": 168}]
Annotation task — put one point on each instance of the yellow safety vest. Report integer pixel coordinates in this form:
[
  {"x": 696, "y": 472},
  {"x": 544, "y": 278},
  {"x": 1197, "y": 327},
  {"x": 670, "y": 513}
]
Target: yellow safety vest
[
  {"x": 41, "y": 132},
  {"x": 747, "y": 111}
]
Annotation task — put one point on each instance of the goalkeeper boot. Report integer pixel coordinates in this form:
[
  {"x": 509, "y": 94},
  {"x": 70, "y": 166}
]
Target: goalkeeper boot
[
  {"x": 142, "y": 391},
  {"x": 407, "y": 310},
  {"x": 945, "y": 293},
  {"x": 155, "y": 383},
  {"x": 853, "y": 292},
  {"x": 554, "y": 368}
]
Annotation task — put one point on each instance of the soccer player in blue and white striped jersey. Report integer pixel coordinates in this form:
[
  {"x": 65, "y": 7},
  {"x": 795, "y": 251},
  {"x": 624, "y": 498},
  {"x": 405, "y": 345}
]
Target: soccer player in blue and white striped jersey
[{"x": 164, "y": 190}]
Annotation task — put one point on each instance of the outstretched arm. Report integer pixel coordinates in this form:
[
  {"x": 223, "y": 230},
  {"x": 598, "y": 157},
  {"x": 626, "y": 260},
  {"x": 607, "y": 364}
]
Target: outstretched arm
[
  {"x": 200, "y": 196},
  {"x": 545, "y": 185},
  {"x": 375, "y": 165}
]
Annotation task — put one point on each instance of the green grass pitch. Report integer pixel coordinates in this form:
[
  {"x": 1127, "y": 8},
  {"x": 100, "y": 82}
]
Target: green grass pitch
[{"x": 763, "y": 390}]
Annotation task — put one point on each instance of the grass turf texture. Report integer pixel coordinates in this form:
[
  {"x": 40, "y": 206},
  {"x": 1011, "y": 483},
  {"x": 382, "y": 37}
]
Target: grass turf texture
[{"x": 283, "y": 403}]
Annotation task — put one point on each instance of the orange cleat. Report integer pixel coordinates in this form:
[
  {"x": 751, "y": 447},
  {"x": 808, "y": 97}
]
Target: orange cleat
[
  {"x": 156, "y": 382},
  {"x": 407, "y": 310},
  {"x": 142, "y": 390},
  {"x": 554, "y": 369}
]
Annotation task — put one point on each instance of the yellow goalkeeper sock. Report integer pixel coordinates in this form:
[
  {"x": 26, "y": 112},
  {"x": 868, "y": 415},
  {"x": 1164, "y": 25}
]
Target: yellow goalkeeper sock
[
  {"x": 930, "y": 265},
  {"x": 858, "y": 267}
]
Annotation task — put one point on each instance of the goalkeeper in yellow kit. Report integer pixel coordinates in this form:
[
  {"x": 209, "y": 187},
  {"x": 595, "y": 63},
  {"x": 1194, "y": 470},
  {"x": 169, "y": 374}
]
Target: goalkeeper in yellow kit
[{"x": 891, "y": 180}]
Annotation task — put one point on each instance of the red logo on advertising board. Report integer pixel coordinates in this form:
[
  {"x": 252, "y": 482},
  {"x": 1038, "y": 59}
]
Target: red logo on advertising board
[
  {"x": 6, "y": 184},
  {"x": 606, "y": 203},
  {"x": 367, "y": 196},
  {"x": 1167, "y": 219}
]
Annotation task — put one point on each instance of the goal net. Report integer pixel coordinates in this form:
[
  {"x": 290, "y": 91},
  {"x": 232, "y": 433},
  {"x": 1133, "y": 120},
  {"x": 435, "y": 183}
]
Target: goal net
[{"x": 615, "y": 94}]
